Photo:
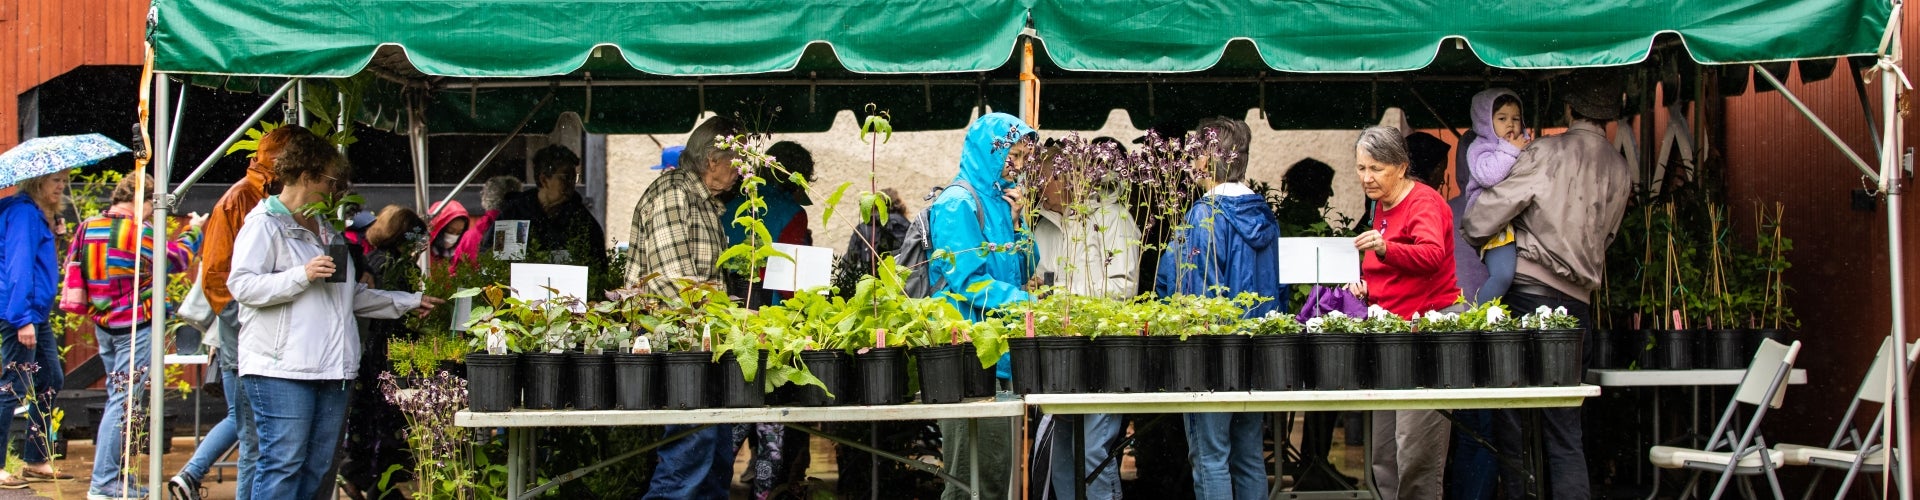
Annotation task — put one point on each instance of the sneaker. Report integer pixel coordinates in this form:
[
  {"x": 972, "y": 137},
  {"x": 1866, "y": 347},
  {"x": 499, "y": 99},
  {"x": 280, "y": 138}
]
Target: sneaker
[
  {"x": 129, "y": 494},
  {"x": 183, "y": 488}
]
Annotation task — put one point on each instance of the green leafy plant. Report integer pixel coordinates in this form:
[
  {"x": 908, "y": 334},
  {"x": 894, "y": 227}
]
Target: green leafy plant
[
  {"x": 1543, "y": 318},
  {"x": 1380, "y": 321},
  {"x": 1439, "y": 322},
  {"x": 333, "y": 209},
  {"x": 1275, "y": 323},
  {"x": 1334, "y": 322}
]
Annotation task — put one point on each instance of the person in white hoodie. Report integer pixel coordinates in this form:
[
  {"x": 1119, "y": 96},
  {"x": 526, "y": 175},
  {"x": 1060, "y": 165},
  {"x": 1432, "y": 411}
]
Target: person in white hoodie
[{"x": 299, "y": 344}]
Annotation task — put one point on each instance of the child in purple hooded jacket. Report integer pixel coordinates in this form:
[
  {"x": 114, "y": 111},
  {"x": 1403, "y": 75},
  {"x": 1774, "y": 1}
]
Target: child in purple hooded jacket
[{"x": 1499, "y": 137}]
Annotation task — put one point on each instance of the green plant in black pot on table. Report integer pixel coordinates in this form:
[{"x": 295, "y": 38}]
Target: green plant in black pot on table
[
  {"x": 1394, "y": 349},
  {"x": 333, "y": 209},
  {"x": 1556, "y": 346},
  {"x": 497, "y": 337},
  {"x": 1451, "y": 355}
]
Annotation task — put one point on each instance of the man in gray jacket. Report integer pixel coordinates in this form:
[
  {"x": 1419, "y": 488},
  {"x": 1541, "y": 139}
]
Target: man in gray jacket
[{"x": 1564, "y": 199}]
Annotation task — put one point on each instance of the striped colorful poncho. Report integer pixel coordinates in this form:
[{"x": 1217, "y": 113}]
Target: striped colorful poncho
[{"x": 101, "y": 261}]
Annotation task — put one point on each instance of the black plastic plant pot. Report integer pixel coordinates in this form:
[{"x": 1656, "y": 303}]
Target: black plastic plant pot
[
  {"x": 735, "y": 390},
  {"x": 1025, "y": 352},
  {"x": 592, "y": 387},
  {"x": 1726, "y": 349},
  {"x": 834, "y": 368},
  {"x": 340, "y": 253},
  {"x": 1557, "y": 358},
  {"x": 880, "y": 381},
  {"x": 684, "y": 375},
  {"x": 1452, "y": 360},
  {"x": 1646, "y": 350},
  {"x": 1230, "y": 354},
  {"x": 1063, "y": 362},
  {"x": 1674, "y": 350},
  {"x": 545, "y": 379},
  {"x": 981, "y": 380},
  {"x": 1123, "y": 363},
  {"x": 1393, "y": 360},
  {"x": 1336, "y": 361},
  {"x": 1606, "y": 353},
  {"x": 636, "y": 381},
  {"x": 1505, "y": 361},
  {"x": 1187, "y": 367},
  {"x": 943, "y": 372},
  {"x": 490, "y": 382},
  {"x": 1276, "y": 363},
  {"x": 1160, "y": 361}
]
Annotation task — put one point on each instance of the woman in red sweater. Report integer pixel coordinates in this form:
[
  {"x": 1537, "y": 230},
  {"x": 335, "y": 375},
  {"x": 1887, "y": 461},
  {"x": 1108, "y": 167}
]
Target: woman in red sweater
[{"x": 1407, "y": 268}]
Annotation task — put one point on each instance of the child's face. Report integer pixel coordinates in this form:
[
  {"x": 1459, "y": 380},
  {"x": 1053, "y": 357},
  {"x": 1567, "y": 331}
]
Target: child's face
[{"x": 1506, "y": 121}]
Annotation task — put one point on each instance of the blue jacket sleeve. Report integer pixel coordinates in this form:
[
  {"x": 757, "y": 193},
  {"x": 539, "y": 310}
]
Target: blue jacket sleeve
[
  {"x": 957, "y": 231},
  {"x": 19, "y": 268}
]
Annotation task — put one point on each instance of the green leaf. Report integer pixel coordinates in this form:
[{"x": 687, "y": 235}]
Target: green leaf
[
  {"x": 833, "y": 201},
  {"x": 733, "y": 252}
]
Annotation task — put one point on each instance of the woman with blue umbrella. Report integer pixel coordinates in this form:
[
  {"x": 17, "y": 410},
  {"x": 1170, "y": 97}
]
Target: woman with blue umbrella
[
  {"x": 29, "y": 271},
  {"x": 30, "y": 368}
]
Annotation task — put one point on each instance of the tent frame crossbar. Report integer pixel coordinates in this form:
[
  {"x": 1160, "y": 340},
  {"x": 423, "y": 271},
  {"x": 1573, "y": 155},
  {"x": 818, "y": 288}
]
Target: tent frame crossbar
[
  {"x": 491, "y": 153},
  {"x": 1817, "y": 123}
]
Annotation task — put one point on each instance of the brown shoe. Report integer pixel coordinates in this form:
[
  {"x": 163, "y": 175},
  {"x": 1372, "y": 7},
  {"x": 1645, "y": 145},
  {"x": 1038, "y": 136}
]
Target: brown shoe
[
  {"x": 37, "y": 476},
  {"x": 13, "y": 483}
]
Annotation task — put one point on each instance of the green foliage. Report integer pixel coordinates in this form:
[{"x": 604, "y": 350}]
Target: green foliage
[
  {"x": 1334, "y": 322},
  {"x": 1275, "y": 323},
  {"x": 333, "y": 209},
  {"x": 1380, "y": 321}
]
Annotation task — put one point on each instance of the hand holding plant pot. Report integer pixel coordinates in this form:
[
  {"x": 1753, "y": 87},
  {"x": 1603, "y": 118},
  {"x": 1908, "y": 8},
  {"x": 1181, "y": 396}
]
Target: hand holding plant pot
[{"x": 333, "y": 211}]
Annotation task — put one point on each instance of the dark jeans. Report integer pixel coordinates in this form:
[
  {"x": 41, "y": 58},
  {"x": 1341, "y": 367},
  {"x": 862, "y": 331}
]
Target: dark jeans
[
  {"x": 1560, "y": 427},
  {"x": 1471, "y": 468},
  {"x": 699, "y": 466},
  {"x": 42, "y": 383}
]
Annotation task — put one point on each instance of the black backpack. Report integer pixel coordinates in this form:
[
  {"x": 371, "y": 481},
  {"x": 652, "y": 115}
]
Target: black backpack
[{"x": 917, "y": 248}]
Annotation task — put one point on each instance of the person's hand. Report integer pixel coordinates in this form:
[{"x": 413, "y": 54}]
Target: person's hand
[
  {"x": 1371, "y": 241},
  {"x": 196, "y": 220},
  {"x": 1358, "y": 289},
  {"x": 427, "y": 303},
  {"x": 1519, "y": 139},
  {"x": 319, "y": 268},
  {"x": 29, "y": 337},
  {"x": 1018, "y": 198}
]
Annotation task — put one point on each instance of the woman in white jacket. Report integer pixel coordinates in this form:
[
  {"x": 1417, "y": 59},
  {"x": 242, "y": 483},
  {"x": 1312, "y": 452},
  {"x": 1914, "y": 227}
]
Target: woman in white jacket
[{"x": 299, "y": 343}]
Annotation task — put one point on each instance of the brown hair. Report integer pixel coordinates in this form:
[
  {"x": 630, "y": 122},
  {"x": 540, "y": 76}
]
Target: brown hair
[
  {"x": 271, "y": 144},
  {"x": 32, "y": 185},
  {"x": 132, "y": 186},
  {"x": 393, "y": 223},
  {"x": 305, "y": 156}
]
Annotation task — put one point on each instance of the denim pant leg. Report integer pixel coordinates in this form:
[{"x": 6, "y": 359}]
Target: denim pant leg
[
  {"x": 218, "y": 440},
  {"x": 110, "y": 439},
  {"x": 47, "y": 381},
  {"x": 718, "y": 483},
  {"x": 240, "y": 410},
  {"x": 1208, "y": 447},
  {"x": 1248, "y": 460},
  {"x": 323, "y": 440},
  {"x": 1098, "y": 432},
  {"x": 683, "y": 463},
  {"x": 1471, "y": 468},
  {"x": 283, "y": 412}
]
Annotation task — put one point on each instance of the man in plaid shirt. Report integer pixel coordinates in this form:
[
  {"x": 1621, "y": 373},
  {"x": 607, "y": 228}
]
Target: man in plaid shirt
[
  {"x": 677, "y": 234},
  {"x": 677, "y": 225}
]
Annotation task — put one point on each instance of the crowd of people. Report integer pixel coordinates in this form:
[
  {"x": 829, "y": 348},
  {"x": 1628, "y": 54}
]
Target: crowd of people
[{"x": 1530, "y": 229}]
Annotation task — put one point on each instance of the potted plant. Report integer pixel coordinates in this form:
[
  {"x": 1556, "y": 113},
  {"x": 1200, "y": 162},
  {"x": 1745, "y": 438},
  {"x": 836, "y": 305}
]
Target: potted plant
[
  {"x": 1276, "y": 352},
  {"x": 1118, "y": 356},
  {"x": 1556, "y": 347},
  {"x": 1229, "y": 357},
  {"x": 1775, "y": 319},
  {"x": 1451, "y": 337},
  {"x": 1504, "y": 355},
  {"x": 1335, "y": 340},
  {"x": 333, "y": 211},
  {"x": 636, "y": 368},
  {"x": 1060, "y": 342},
  {"x": 498, "y": 338},
  {"x": 1394, "y": 349},
  {"x": 598, "y": 335},
  {"x": 550, "y": 325}
]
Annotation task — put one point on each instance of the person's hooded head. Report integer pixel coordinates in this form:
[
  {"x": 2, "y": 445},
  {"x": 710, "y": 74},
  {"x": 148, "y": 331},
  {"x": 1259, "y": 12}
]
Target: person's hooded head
[
  {"x": 1496, "y": 113},
  {"x": 997, "y": 146},
  {"x": 447, "y": 227}
]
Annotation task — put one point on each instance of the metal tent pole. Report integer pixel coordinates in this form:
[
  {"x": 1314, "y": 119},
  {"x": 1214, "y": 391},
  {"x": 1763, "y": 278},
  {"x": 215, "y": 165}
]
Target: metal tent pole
[
  {"x": 221, "y": 152},
  {"x": 162, "y": 163},
  {"x": 484, "y": 160},
  {"x": 1890, "y": 174},
  {"x": 417, "y": 137}
]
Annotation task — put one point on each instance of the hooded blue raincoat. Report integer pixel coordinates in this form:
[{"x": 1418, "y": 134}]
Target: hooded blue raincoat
[
  {"x": 956, "y": 230},
  {"x": 1229, "y": 241},
  {"x": 29, "y": 269}
]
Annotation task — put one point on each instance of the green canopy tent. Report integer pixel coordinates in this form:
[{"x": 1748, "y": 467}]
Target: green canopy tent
[{"x": 646, "y": 66}]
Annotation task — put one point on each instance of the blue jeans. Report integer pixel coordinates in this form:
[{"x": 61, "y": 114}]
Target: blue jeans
[
  {"x": 1226, "y": 450},
  {"x": 694, "y": 467},
  {"x": 1098, "y": 432},
  {"x": 110, "y": 440},
  {"x": 299, "y": 424},
  {"x": 1471, "y": 468},
  {"x": 223, "y": 435},
  {"x": 44, "y": 384}
]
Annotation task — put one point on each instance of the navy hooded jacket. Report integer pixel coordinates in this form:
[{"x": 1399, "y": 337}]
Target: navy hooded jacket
[{"x": 1228, "y": 242}]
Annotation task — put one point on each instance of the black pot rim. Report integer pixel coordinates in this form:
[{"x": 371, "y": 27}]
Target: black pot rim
[
  {"x": 1122, "y": 339},
  {"x": 943, "y": 351}
]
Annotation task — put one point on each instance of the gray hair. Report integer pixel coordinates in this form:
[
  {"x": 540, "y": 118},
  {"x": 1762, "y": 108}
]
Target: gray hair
[
  {"x": 1230, "y": 136},
  {"x": 494, "y": 193},
  {"x": 1385, "y": 144},
  {"x": 702, "y": 143}
]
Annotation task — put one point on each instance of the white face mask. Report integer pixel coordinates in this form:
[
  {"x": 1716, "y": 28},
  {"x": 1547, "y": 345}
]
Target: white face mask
[{"x": 448, "y": 240}]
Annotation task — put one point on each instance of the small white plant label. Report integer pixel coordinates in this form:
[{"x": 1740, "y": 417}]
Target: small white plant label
[
  {"x": 642, "y": 346},
  {"x": 496, "y": 343}
]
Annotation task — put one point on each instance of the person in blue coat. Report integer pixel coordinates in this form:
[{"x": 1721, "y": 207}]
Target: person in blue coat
[
  {"x": 990, "y": 253},
  {"x": 1227, "y": 247},
  {"x": 29, "y": 277}
]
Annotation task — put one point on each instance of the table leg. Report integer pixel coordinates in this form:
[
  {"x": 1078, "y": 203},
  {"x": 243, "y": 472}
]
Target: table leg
[
  {"x": 1366, "y": 474},
  {"x": 1077, "y": 439},
  {"x": 973, "y": 457},
  {"x": 1279, "y": 455},
  {"x": 873, "y": 461},
  {"x": 516, "y": 462},
  {"x": 1655, "y": 441}
]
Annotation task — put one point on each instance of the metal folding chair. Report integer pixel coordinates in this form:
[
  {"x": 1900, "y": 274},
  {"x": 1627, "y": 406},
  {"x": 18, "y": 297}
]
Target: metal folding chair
[
  {"x": 1745, "y": 454},
  {"x": 1848, "y": 450}
]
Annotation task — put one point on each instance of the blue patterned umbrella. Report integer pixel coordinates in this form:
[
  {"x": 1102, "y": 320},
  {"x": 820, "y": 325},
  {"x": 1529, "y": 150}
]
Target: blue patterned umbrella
[{"x": 47, "y": 155}]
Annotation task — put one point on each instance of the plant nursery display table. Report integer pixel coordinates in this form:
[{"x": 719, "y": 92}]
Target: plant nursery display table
[
  {"x": 1691, "y": 379},
  {"x": 521, "y": 424},
  {"x": 1289, "y": 401}
]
